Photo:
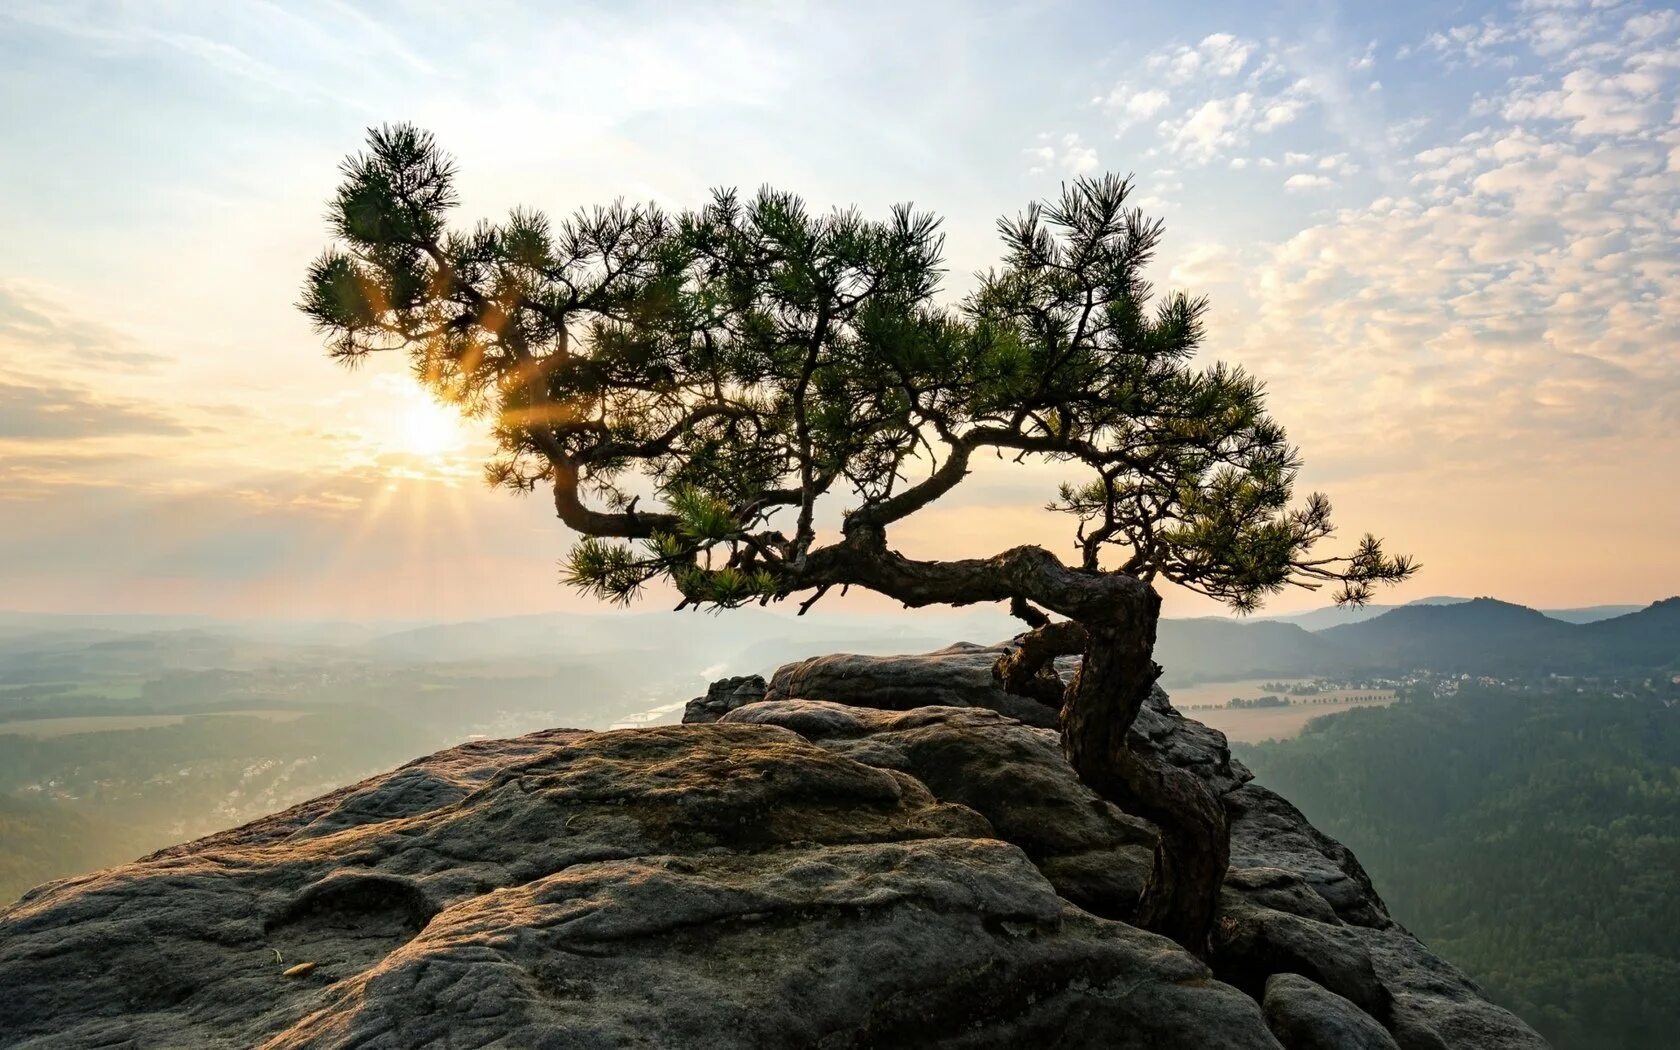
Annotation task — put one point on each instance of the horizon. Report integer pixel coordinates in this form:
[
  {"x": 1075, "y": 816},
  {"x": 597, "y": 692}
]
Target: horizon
[
  {"x": 817, "y": 618},
  {"x": 1460, "y": 283}
]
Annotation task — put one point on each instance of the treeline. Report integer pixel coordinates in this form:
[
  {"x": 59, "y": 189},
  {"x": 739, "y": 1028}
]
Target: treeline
[
  {"x": 1259, "y": 701},
  {"x": 1533, "y": 839}
]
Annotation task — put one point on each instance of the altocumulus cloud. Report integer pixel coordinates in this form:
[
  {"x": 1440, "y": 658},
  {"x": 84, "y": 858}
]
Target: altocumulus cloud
[
  {"x": 1226, "y": 91},
  {"x": 1521, "y": 291}
]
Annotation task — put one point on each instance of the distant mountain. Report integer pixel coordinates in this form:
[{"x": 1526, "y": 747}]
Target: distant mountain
[
  {"x": 1342, "y": 615},
  {"x": 25, "y": 623},
  {"x": 1214, "y": 649},
  {"x": 1591, "y": 613},
  {"x": 1487, "y": 636},
  {"x": 1442, "y": 634},
  {"x": 1649, "y": 637},
  {"x": 1480, "y": 636}
]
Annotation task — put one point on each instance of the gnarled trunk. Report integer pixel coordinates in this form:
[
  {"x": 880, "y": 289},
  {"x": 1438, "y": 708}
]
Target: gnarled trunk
[
  {"x": 1113, "y": 616},
  {"x": 1101, "y": 703}
]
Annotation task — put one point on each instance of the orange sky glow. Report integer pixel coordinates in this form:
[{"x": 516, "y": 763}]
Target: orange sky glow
[{"x": 1452, "y": 261}]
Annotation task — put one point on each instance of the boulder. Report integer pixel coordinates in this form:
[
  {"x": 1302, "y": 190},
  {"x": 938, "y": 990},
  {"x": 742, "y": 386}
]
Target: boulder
[
  {"x": 728, "y": 885},
  {"x": 1268, "y": 832},
  {"x": 1252, "y": 943},
  {"x": 1188, "y": 744},
  {"x": 1434, "y": 1005},
  {"x": 956, "y": 676},
  {"x": 1011, "y": 774},
  {"x": 1295, "y": 899},
  {"x": 724, "y": 696},
  {"x": 1305, "y": 1016},
  {"x": 961, "y": 675}
]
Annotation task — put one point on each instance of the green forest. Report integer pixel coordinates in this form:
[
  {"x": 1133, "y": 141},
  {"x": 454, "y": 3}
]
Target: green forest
[{"x": 1530, "y": 836}]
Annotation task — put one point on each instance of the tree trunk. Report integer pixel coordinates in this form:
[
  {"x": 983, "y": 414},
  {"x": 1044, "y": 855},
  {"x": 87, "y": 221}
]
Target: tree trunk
[
  {"x": 1103, "y": 700},
  {"x": 1118, "y": 613}
]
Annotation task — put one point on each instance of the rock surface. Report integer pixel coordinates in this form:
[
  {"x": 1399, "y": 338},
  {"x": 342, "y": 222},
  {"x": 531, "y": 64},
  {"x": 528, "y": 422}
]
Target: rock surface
[
  {"x": 801, "y": 873},
  {"x": 1305, "y": 1016},
  {"x": 957, "y": 676},
  {"x": 724, "y": 696}
]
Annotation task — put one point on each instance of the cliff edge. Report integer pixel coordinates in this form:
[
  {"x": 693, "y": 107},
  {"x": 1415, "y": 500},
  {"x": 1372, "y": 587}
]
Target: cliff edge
[{"x": 819, "y": 860}]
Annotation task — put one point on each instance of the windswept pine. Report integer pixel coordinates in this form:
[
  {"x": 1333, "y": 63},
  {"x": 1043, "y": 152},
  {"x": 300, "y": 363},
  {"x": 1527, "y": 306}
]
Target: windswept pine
[{"x": 693, "y": 387}]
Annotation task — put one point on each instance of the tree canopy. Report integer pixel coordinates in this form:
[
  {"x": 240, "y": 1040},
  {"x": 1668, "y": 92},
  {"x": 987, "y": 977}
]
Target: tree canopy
[{"x": 691, "y": 386}]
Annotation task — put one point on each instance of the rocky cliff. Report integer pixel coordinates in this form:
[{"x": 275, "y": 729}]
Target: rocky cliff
[{"x": 826, "y": 860}]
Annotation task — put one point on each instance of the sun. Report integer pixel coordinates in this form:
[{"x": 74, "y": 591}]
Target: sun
[{"x": 428, "y": 430}]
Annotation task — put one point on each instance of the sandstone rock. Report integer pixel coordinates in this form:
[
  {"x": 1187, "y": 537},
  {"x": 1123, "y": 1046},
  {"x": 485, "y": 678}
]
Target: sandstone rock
[
  {"x": 1431, "y": 1005},
  {"x": 1268, "y": 832},
  {"x": 956, "y": 676},
  {"x": 724, "y": 696},
  {"x": 1434, "y": 1005},
  {"x": 1305, "y": 1016},
  {"x": 722, "y": 885},
  {"x": 1188, "y": 744},
  {"x": 1252, "y": 943},
  {"x": 1311, "y": 889},
  {"x": 961, "y": 676},
  {"x": 1012, "y": 774},
  {"x": 1281, "y": 890},
  {"x": 801, "y": 873}
]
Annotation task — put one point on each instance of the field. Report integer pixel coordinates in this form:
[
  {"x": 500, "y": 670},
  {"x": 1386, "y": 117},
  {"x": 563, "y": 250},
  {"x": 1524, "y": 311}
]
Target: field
[
  {"x": 1254, "y": 724},
  {"x": 46, "y": 728}
]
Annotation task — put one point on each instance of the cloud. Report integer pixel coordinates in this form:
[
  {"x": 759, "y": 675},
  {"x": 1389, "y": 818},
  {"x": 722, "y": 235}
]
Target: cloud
[
  {"x": 1134, "y": 105},
  {"x": 1471, "y": 43},
  {"x": 48, "y": 412},
  {"x": 1279, "y": 113},
  {"x": 1066, "y": 155},
  {"x": 1213, "y": 126},
  {"x": 1204, "y": 263},
  {"x": 1515, "y": 303},
  {"x": 44, "y": 330},
  {"x": 1304, "y": 182},
  {"x": 1227, "y": 90},
  {"x": 1218, "y": 55},
  {"x": 1594, "y": 103}
]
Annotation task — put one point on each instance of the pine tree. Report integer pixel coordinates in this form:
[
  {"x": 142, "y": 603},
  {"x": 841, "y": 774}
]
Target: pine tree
[{"x": 690, "y": 387}]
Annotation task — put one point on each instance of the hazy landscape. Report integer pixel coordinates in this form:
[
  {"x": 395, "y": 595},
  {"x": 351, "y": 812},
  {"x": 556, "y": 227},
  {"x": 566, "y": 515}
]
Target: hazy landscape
[
  {"x": 140, "y": 732},
  {"x": 737, "y": 525},
  {"x": 1459, "y": 781},
  {"x": 1440, "y": 744}
]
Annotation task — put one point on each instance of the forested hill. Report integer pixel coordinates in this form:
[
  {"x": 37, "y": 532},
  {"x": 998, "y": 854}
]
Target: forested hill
[
  {"x": 1483, "y": 636},
  {"x": 1486, "y": 636},
  {"x": 1533, "y": 839}
]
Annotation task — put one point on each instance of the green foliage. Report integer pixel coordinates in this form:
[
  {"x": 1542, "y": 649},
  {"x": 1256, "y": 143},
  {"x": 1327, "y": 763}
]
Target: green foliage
[
  {"x": 1534, "y": 840},
  {"x": 46, "y": 841},
  {"x": 712, "y": 375},
  {"x": 604, "y": 569},
  {"x": 703, "y": 518}
]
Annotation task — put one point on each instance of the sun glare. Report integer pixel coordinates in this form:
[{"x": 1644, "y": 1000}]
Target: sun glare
[{"x": 427, "y": 429}]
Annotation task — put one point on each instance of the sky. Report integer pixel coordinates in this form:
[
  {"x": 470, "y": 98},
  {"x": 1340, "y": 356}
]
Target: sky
[{"x": 1445, "y": 234}]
